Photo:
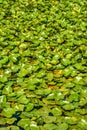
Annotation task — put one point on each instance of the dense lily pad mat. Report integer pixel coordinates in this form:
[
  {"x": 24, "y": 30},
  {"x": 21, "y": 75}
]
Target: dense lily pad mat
[{"x": 43, "y": 58}]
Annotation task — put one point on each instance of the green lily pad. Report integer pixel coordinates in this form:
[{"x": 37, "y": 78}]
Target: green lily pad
[
  {"x": 22, "y": 73},
  {"x": 56, "y": 111},
  {"x": 7, "y": 90},
  {"x": 8, "y": 112},
  {"x": 70, "y": 120},
  {"x": 3, "y": 78},
  {"x": 5, "y": 128},
  {"x": 4, "y": 60},
  {"x": 49, "y": 119},
  {"x": 66, "y": 72},
  {"x": 29, "y": 106},
  {"x": 50, "y": 76},
  {"x": 59, "y": 96},
  {"x": 85, "y": 54},
  {"x": 69, "y": 85},
  {"x": 24, "y": 123},
  {"x": 19, "y": 92},
  {"x": 78, "y": 80},
  {"x": 63, "y": 126},
  {"x": 3, "y": 99},
  {"x": 82, "y": 102},
  {"x": 50, "y": 126},
  {"x": 18, "y": 107},
  {"x": 66, "y": 61},
  {"x": 79, "y": 66},
  {"x": 14, "y": 128},
  {"x": 33, "y": 126},
  {"x": 2, "y": 121},
  {"x": 11, "y": 120},
  {"x": 14, "y": 68},
  {"x": 74, "y": 97},
  {"x": 47, "y": 91},
  {"x": 41, "y": 74},
  {"x": 39, "y": 92},
  {"x": 51, "y": 96},
  {"x": 23, "y": 99},
  {"x": 81, "y": 111},
  {"x": 54, "y": 61},
  {"x": 68, "y": 107},
  {"x": 82, "y": 124}
]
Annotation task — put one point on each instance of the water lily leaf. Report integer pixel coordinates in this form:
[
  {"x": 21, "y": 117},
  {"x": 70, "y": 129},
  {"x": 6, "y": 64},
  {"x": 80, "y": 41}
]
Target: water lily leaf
[
  {"x": 82, "y": 102},
  {"x": 65, "y": 61},
  {"x": 33, "y": 81},
  {"x": 78, "y": 56},
  {"x": 83, "y": 124},
  {"x": 68, "y": 107},
  {"x": 19, "y": 91},
  {"x": 74, "y": 97},
  {"x": 70, "y": 120},
  {"x": 47, "y": 91},
  {"x": 4, "y": 60},
  {"x": 23, "y": 46},
  {"x": 23, "y": 99},
  {"x": 3, "y": 78},
  {"x": 7, "y": 89},
  {"x": 41, "y": 74},
  {"x": 32, "y": 87},
  {"x": 39, "y": 92},
  {"x": 8, "y": 112},
  {"x": 85, "y": 54},
  {"x": 54, "y": 61},
  {"x": 50, "y": 126},
  {"x": 5, "y": 128},
  {"x": 57, "y": 73},
  {"x": 59, "y": 96},
  {"x": 78, "y": 80},
  {"x": 50, "y": 76},
  {"x": 63, "y": 126},
  {"x": 51, "y": 96},
  {"x": 35, "y": 68},
  {"x": 66, "y": 72},
  {"x": 68, "y": 51},
  {"x": 52, "y": 83},
  {"x": 24, "y": 123},
  {"x": 34, "y": 127},
  {"x": 22, "y": 73},
  {"x": 3, "y": 99},
  {"x": 18, "y": 107},
  {"x": 14, "y": 128},
  {"x": 29, "y": 106},
  {"x": 56, "y": 111},
  {"x": 79, "y": 66},
  {"x": 27, "y": 114},
  {"x": 14, "y": 57},
  {"x": 2, "y": 121},
  {"x": 69, "y": 85},
  {"x": 40, "y": 121},
  {"x": 11, "y": 120},
  {"x": 14, "y": 68},
  {"x": 74, "y": 73},
  {"x": 49, "y": 119},
  {"x": 81, "y": 111}
]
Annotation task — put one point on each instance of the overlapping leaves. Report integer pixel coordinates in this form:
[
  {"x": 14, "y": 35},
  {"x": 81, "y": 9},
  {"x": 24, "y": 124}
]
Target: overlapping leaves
[{"x": 43, "y": 51}]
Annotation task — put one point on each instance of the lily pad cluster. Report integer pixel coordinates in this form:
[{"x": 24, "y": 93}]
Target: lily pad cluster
[{"x": 43, "y": 65}]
